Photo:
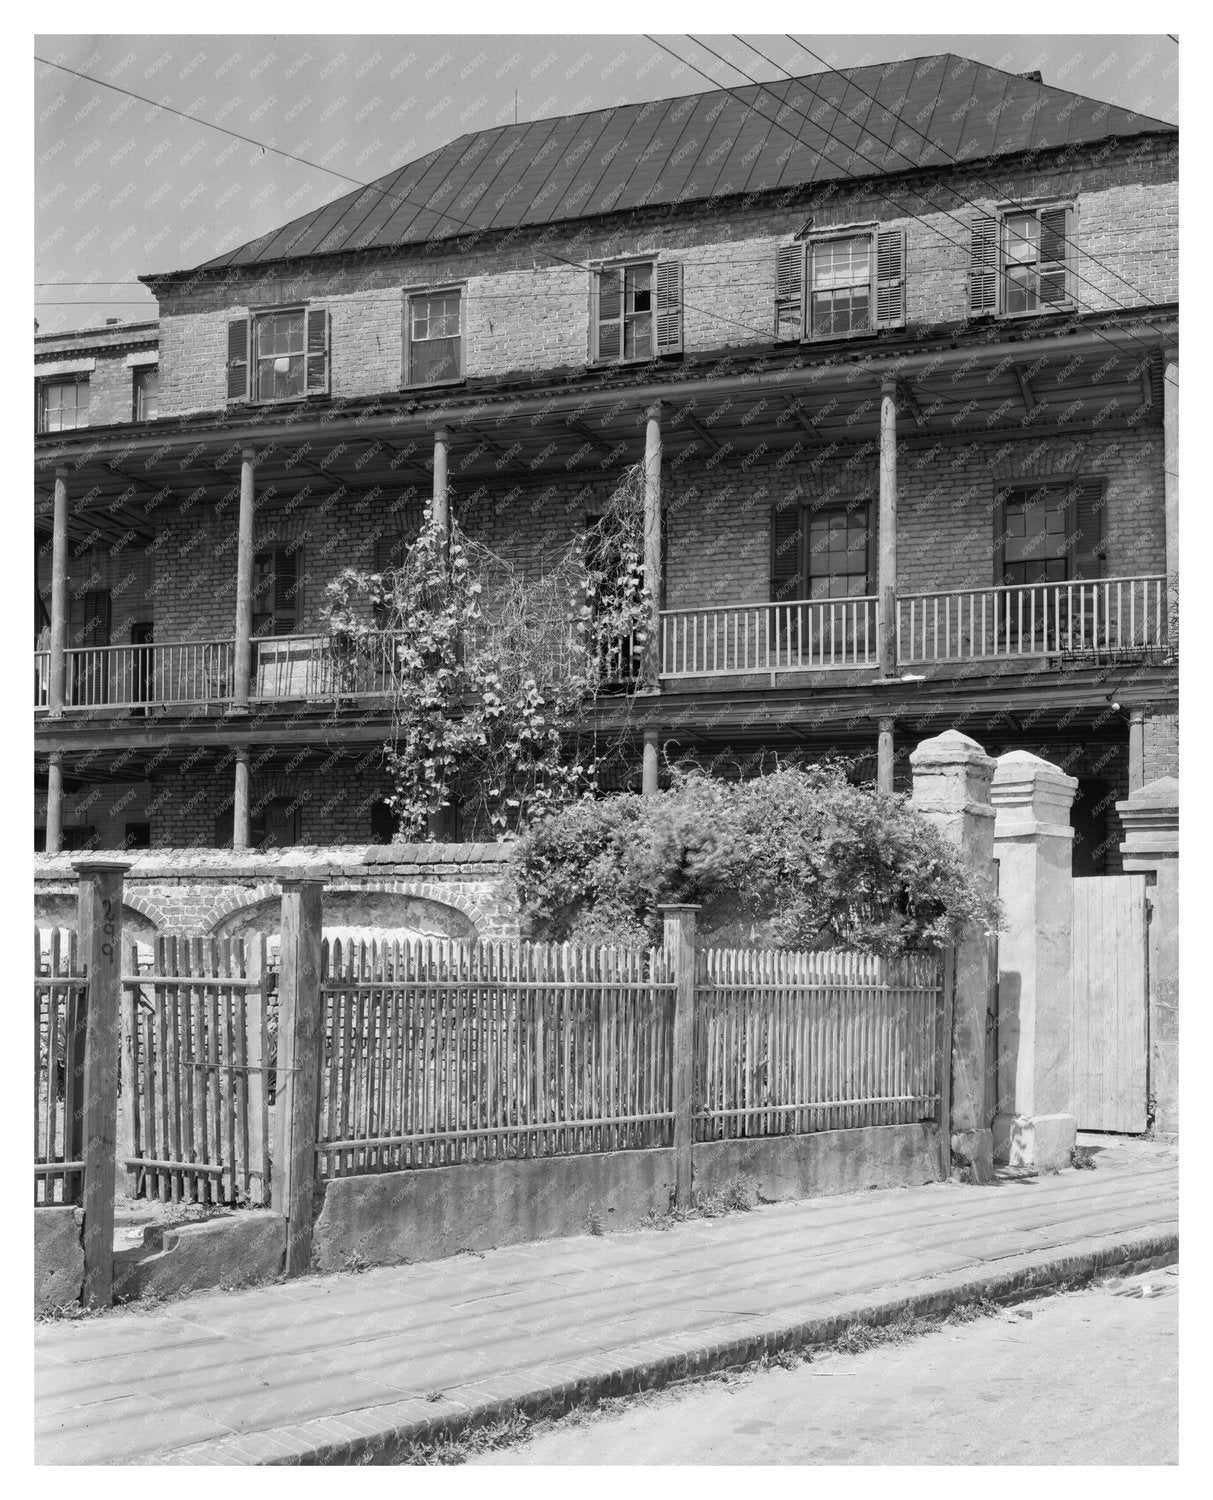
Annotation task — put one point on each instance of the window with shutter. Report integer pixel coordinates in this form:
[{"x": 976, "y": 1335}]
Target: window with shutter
[
  {"x": 789, "y": 293},
  {"x": 668, "y": 315},
  {"x": 317, "y": 351},
  {"x": 891, "y": 278},
  {"x": 276, "y": 591},
  {"x": 1019, "y": 262},
  {"x": 279, "y": 355},
  {"x": 1088, "y": 528},
  {"x": 787, "y": 531},
  {"x": 636, "y": 311},
  {"x": 855, "y": 282},
  {"x": 237, "y": 359}
]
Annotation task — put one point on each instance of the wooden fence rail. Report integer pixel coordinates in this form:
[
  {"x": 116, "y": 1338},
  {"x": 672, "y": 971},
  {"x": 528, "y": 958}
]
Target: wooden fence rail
[
  {"x": 789, "y": 1043},
  {"x": 60, "y": 992},
  {"x": 439, "y": 1052},
  {"x": 195, "y": 1059}
]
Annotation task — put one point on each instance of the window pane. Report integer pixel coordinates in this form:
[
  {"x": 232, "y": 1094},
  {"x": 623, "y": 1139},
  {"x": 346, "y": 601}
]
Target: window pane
[
  {"x": 638, "y": 289},
  {"x": 638, "y": 336},
  {"x": 1021, "y": 288},
  {"x": 433, "y": 360},
  {"x": 1020, "y": 236},
  {"x": 435, "y": 343}
]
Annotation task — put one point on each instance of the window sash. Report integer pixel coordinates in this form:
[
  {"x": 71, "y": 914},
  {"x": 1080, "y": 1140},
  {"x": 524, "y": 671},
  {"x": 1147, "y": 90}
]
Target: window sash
[
  {"x": 1037, "y": 536},
  {"x": 62, "y": 405},
  {"x": 1024, "y": 241},
  {"x": 280, "y": 354},
  {"x": 435, "y": 337},
  {"x": 147, "y": 394},
  {"x": 626, "y": 312},
  {"x": 841, "y": 300}
]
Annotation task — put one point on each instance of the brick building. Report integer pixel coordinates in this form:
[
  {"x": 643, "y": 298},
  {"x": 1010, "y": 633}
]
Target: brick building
[{"x": 897, "y": 348}]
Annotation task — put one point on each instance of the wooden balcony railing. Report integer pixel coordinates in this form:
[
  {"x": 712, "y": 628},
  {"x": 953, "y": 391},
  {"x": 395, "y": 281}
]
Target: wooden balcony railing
[
  {"x": 177, "y": 672},
  {"x": 800, "y": 635},
  {"x": 1089, "y": 618}
]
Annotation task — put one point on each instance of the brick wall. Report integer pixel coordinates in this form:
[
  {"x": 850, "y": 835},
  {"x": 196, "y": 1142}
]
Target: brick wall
[
  {"x": 527, "y": 311},
  {"x": 111, "y": 384},
  {"x": 1160, "y": 746}
]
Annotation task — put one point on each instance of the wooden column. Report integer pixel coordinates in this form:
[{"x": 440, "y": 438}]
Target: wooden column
[
  {"x": 300, "y": 1023},
  {"x": 650, "y": 667},
  {"x": 99, "y": 917},
  {"x": 243, "y": 664},
  {"x": 649, "y": 782},
  {"x": 884, "y": 756},
  {"x": 1170, "y": 427},
  {"x": 1137, "y": 749},
  {"x": 57, "y": 687},
  {"x": 54, "y": 803},
  {"x": 886, "y": 565},
  {"x": 680, "y": 950},
  {"x": 442, "y": 497},
  {"x": 240, "y": 801}
]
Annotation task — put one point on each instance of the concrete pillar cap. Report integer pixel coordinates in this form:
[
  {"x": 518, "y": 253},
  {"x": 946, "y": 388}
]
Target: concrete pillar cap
[{"x": 950, "y": 747}]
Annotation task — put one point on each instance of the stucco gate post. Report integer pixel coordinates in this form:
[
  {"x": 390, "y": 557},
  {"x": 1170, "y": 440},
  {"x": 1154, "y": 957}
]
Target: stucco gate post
[
  {"x": 1035, "y": 1125},
  {"x": 952, "y": 776},
  {"x": 1150, "y": 818}
]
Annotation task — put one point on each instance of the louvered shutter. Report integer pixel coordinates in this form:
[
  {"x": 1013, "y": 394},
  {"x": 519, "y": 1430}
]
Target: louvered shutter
[
  {"x": 787, "y": 578},
  {"x": 286, "y": 590},
  {"x": 1088, "y": 528},
  {"x": 789, "y": 293},
  {"x": 668, "y": 307},
  {"x": 891, "y": 278},
  {"x": 317, "y": 351},
  {"x": 1054, "y": 238},
  {"x": 608, "y": 313},
  {"x": 237, "y": 359},
  {"x": 983, "y": 264}
]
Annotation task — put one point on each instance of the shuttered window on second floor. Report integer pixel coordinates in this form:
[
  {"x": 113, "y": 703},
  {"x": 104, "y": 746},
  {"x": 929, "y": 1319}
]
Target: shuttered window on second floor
[
  {"x": 821, "y": 551},
  {"x": 1019, "y": 260},
  {"x": 281, "y": 354},
  {"x": 855, "y": 283},
  {"x": 635, "y": 311},
  {"x": 277, "y": 585},
  {"x": 1050, "y": 532}
]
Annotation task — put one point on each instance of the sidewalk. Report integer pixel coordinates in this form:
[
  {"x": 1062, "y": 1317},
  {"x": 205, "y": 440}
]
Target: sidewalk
[{"x": 343, "y": 1369}]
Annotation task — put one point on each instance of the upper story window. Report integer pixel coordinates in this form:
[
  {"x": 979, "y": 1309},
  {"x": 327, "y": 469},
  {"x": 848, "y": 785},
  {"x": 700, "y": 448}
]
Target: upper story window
[
  {"x": 1019, "y": 260},
  {"x": 1049, "y": 533},
  {"x": 855, "y": 280},
  {"x": 61, "y": 404},
  {"x": 279, "y": 354},
  {"x": 147, "y": 393},
  {"x": 433, "y": 336},
  {"x": 635, "y": 311}
]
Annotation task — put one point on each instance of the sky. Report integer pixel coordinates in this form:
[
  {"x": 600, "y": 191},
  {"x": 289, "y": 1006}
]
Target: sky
[{"x": 123, "y": 188}]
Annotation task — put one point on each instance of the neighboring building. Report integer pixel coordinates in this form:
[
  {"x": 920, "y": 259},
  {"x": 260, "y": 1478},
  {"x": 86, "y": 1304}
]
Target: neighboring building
[{"x": 915, "y": 406}]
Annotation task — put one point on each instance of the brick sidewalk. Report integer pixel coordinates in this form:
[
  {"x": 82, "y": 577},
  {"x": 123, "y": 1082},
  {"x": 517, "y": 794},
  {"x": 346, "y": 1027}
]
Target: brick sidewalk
[{"x": 340, "y": 1368}]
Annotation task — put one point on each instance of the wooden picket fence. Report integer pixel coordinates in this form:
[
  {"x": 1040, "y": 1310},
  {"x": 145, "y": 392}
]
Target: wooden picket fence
[
  {"x": 788, "y": 1043},
  {"x": 60, "y": 992},
  {"x": 196, "y": 1052},
  {"x": 440, "y": 1052}
]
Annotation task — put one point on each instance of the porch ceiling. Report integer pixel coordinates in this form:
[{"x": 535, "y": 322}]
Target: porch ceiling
[{"x": 118, "y": 479}]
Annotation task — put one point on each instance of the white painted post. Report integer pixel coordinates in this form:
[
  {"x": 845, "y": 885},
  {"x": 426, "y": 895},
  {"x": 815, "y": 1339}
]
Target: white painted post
[
  {"x": 1035, "y": 1125},
  {"x": 54, "y": 803},
  {"x": 242, "y": 666},
  {"x": 650, "y": 669},
  {"x": 680, "y": 948},
  {"x": 886, "y": 583}
]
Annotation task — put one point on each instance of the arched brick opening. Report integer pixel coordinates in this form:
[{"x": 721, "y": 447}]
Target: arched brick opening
[
  {"x": 357, "y": 910},
  {"x": 60, "y": 910}
]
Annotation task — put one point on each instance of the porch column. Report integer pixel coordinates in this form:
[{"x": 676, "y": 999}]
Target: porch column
[
  {"x": 886, "y": 566},
  {"x": 650, "y": 669},
  {"x": 1170, "y": 427},
  {"x": 1137, "y": 751},
  {"x": 57, "y": 687},
  {"x": 54, "y": 803},
  {"x": 648, "y": 782},
  {"x": 1150, "y": 818},
  {"x": 240, "y": 801},
  {"x": 442, "y": 498},
  {"x": 952, "y": 788},
  {"x": 1035, "y": 1125},
  {"x": 243, "y": 664},
  {"x": 884, "y": 756}
]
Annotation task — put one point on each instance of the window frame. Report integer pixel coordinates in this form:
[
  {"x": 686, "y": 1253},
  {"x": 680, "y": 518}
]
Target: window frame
[
  {"x": 1019, "y": 493},
  {"x": 1036, "y": 207},
  {"x": 622, "y": 264},
  {"x": 42, "y": 384},
  {"x": 843, "y": 232},
  {"x": 255, "y": 315},
  {"x": 139, "y": 373},
  {"x": 805, "y": 511},
  {"x": 411, "y": 293}
]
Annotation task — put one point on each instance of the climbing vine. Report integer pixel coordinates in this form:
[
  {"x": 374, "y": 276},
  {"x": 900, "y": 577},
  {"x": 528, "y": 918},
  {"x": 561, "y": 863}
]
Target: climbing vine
[{"x": 492, "y": 670}]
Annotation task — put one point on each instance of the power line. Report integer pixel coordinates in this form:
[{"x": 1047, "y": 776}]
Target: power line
[
  {"x": 951, "y": 160},
  {"x": 877, "y": 192}
]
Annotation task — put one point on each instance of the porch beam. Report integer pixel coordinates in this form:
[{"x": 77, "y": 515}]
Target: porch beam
[
  {"x": 244, "y": 584},
  {"x": 886, "y": 574},
  {"x": 56, "y": 692},
  {"x": 1025, "y": 390},
  {"x": 650, "y": 666},
  {"x": 910, "y": 401}
]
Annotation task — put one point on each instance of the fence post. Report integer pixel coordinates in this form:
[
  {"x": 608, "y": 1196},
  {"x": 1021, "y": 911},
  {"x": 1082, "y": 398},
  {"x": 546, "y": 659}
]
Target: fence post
[
  {"x": 680, "y": 949},
  {"x": 99, "y": 917},
  {"x": 129, "y": 1079},
  {"x": 300, "y": 1018}
]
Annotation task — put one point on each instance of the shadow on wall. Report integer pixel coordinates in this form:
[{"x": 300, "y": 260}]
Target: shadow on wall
[
  {"x": 62, "y": 911},
  {"x": 360, "y": 914}
]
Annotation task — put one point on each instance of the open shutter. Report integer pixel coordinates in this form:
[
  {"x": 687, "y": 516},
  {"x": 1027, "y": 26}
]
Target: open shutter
[
  {"x": 789, "y": 293},
  {"x": 317, "y": 351},
  {"x": 237, "y": 359},
  {"x": 286, "y": 590},
  {"x": 668, "y": 305},
  {"x": 983, "y": 264},
  {"x": 787, "y": 580},
  {"x": 891, "y": 278},
  {"x": 1054, "y": 238},
  {"x": 608, "y": 313},
  {"x": 1088, "y": 528}
]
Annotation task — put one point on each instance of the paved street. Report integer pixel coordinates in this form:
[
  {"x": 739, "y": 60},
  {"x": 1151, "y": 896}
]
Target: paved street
[
  {"x": 1086, "y": 1377},
  {"x": 308, "y": 1367}
]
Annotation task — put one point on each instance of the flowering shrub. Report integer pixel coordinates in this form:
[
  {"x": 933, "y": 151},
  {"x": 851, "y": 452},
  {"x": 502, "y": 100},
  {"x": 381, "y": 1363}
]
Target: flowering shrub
[{"x": 795, "y": 859}]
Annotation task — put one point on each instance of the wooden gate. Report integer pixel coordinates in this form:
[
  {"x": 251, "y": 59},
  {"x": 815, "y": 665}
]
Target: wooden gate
[{"x": 1108, "y": 1028}]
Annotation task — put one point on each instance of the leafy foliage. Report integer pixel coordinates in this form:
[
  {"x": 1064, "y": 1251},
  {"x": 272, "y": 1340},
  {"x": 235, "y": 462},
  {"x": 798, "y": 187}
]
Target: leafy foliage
[{"x": 795, "y": 859}]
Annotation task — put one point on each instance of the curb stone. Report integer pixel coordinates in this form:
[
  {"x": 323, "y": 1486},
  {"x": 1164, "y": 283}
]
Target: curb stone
[{"x": 645, "y": 1367}]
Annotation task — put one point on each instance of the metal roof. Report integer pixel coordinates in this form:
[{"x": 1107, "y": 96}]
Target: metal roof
[{"x": 925, "y": 112}]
